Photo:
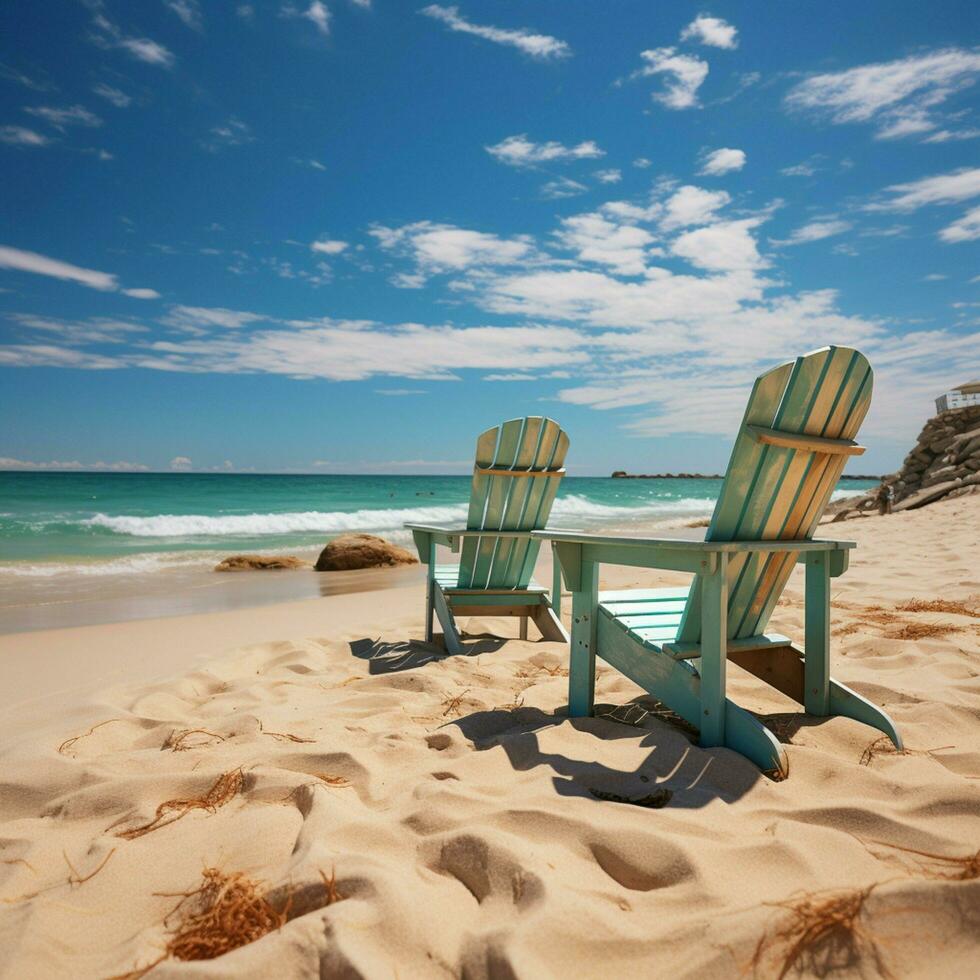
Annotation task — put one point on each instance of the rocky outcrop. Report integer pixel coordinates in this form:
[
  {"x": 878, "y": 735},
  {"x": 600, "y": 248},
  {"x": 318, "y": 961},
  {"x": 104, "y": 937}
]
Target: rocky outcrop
[
  {"x": 945, "y": 462},
  {"x": 260, "y": 563},
  {"x": 351, "y": 551}
]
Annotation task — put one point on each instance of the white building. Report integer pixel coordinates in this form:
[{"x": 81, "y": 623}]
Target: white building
[{"x": 961, "y": 397}]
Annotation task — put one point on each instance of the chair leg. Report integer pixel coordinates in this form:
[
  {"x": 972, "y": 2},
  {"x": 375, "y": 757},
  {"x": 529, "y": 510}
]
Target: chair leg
[
  {"x": 581, "y": 674},
  {"x": 450, "y": 634},
  {"x": 714, "y": 652},
  {"x": 430, "y": 588},
  {"x": 523, "y": 633},
  {"x": 816, "y": 649}
]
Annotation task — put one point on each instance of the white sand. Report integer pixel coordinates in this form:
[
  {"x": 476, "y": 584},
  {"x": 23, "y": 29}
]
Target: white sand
[{"x": 465, "y": 839}]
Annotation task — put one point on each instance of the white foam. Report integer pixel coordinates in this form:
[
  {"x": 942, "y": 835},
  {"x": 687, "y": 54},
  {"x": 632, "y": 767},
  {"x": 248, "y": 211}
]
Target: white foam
[{"x": 334, "y": 522}]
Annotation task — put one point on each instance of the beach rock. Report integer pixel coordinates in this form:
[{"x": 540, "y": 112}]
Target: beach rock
[
  {"x": 351, "y": 551},
  {"x": 945, "y": 462},
  {"x": 259, "y": 563}
]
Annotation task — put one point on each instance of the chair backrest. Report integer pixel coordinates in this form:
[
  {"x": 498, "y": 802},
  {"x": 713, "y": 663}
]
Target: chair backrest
[
  {"x": 519, "y": 465},
  {"x": 795, "y": 438}
]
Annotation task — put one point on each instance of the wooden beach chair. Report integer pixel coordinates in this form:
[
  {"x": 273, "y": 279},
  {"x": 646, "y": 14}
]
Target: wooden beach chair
[
  {"x": 794, "y": 440},
  {"x": 519, "y": 465}
]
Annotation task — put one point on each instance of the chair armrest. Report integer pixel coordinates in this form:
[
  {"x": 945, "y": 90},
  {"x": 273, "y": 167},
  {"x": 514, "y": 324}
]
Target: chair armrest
[
  {"x": 669, "y": 554},
  {"x": 450, "y": 537}
]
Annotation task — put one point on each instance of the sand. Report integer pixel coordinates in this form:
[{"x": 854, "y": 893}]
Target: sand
[{"x": 451, "y": 803}]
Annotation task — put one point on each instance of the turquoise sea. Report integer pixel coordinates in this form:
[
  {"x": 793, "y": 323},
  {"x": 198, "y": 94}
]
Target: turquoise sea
[{"x": 124, "y": 523}]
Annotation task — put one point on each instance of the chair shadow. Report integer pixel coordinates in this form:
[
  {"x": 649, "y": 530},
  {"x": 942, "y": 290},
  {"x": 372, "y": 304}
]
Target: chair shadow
[
  {"x": 694, "y": 776},
  {"x": 389, "y": 658}
]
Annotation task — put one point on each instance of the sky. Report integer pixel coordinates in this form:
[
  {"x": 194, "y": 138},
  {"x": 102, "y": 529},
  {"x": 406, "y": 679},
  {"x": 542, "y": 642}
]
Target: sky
[{"x": 349, "y": 235}]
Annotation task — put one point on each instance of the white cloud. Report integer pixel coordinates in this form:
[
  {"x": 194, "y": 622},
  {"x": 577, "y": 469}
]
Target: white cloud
[
  {"x": 329, "y": 246},
  {"x": 806, "y": 169},
  {"x": 234, "y": 132},
  {"x": 561, "y": 187},
  {"x": 713, "y": 31},
  {"x": 114, "y": 95},
  {"x": 536, "y": 45},
  {"x": 437, "y": 248},
  {"x": 95, "y": 330},
  {"x": 722, "y": 161},
  {"x": 814, "y": 231},
  {"x": 309, "y": 162},
  {"x": 958, "y": 185},
  {"x": 141, "y": 293},
  {"x": 22, "y": 136},
  {"x": 510, "y": 376},
  {"x": 181, "y": 463},
  {"x": 21, "y": 261},
  {"x": 642, "y": 163},
  {"x": 610, "y": 176},
  {"x": 6, "y": 463},
  {"x": 195, "y": 318},
  {"x": 691, "y": 205},
  {"x": 75, "y": 115},
  {"x": 901, "y": 97},
  {"x": 964, "y": 229},
  {"x": 108, "y": 35},
  {"x": 519, "y": 151},
  {"x": 596, "y": 239},
  {"x": 188, "y": 11},
  {"x": 685, "y": 74},
  {"x": 726, "y": 246},
  {"x": 316, "y": 13}
]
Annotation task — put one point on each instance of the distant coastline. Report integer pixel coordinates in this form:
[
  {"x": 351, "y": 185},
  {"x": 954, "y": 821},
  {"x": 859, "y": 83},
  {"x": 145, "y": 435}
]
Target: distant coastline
[{"x": 623, "y": 475}]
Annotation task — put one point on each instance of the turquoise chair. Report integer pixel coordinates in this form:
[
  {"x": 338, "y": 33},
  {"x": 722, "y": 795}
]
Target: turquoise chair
[
  {"x": 519, "y": 465},
  {"x": 797, "y": 434}
]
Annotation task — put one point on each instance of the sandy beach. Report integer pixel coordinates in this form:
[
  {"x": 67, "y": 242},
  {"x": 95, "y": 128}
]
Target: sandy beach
[{"x": 406, "y": 814}]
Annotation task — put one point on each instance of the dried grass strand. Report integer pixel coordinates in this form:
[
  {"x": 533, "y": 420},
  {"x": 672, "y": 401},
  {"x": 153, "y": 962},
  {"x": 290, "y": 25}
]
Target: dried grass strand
[
  {"x": 223, "y": 790},
  {"x": 69, "y": 743},
  {"x": 75, "y": 879},
  {"x": 821, "y": 933},
  {"x": 177, "y": 738}
]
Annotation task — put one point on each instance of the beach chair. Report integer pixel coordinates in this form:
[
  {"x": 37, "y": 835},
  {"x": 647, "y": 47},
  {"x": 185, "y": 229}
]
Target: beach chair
[
  {"x": 519, "y": 465},
  {"x": 796, "y": 436}
]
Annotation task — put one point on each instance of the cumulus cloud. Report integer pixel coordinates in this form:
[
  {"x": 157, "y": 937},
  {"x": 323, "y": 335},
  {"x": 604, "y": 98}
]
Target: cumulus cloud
[
  {"x": 690, "y": 205},
  {"x": 712, "y": 31},
  {"x": 535, "y": 45},
  {"x": 188, "y": 11},
  {"x": 901, "y": 97},
  {"x": 329, "y": 246},
  {"x": 596, "y": 239},
  {"x": 181, "y": 463},
  {"x": 722, "y": 161},
  {"x": 685, "y": 75},
  {"x": 555, "y": 190},
  {"x": 438, "y": 248},
  {"x": 519, "y": 151}
]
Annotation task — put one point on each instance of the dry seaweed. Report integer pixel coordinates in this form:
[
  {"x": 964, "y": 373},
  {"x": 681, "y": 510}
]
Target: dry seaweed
[
  {"x": 939, "y": 866},
  {"x": 224, "y": 912},
  {"x": 69, "y": 743},
  {"x": 180, "y": 740},
  {"x": 224, "y": 789},
  {"x": 939, "y": 605},
  {"x": 452, "y": 703},
  {"x": 922, "y": 631},
  {"x": 821, "y": 933},
  {"x": 75, "y": 879},
  {"x": 659, "y": 798},
  {"x": 285, "y": 736}
]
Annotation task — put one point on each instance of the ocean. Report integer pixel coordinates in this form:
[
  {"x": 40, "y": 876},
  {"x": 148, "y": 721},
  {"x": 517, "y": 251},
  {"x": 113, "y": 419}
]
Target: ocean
[
  {"x": 67, "y": 538},
  {"x": 120, "y": 523}
]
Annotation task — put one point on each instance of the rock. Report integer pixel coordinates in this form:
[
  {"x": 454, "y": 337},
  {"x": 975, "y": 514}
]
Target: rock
[
  {"x": 350, "y": 551},
  {"x": 260, "y": 563},
  {"x": 927, "y": 496}
]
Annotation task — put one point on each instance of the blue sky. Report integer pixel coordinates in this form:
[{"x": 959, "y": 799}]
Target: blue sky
[{"x": 346, "y": 236}]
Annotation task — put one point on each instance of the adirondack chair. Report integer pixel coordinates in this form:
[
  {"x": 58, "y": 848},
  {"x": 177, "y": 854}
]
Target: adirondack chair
[
  {"x": 515, "y": 479},
  {"x": 794, "y": 440}
]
